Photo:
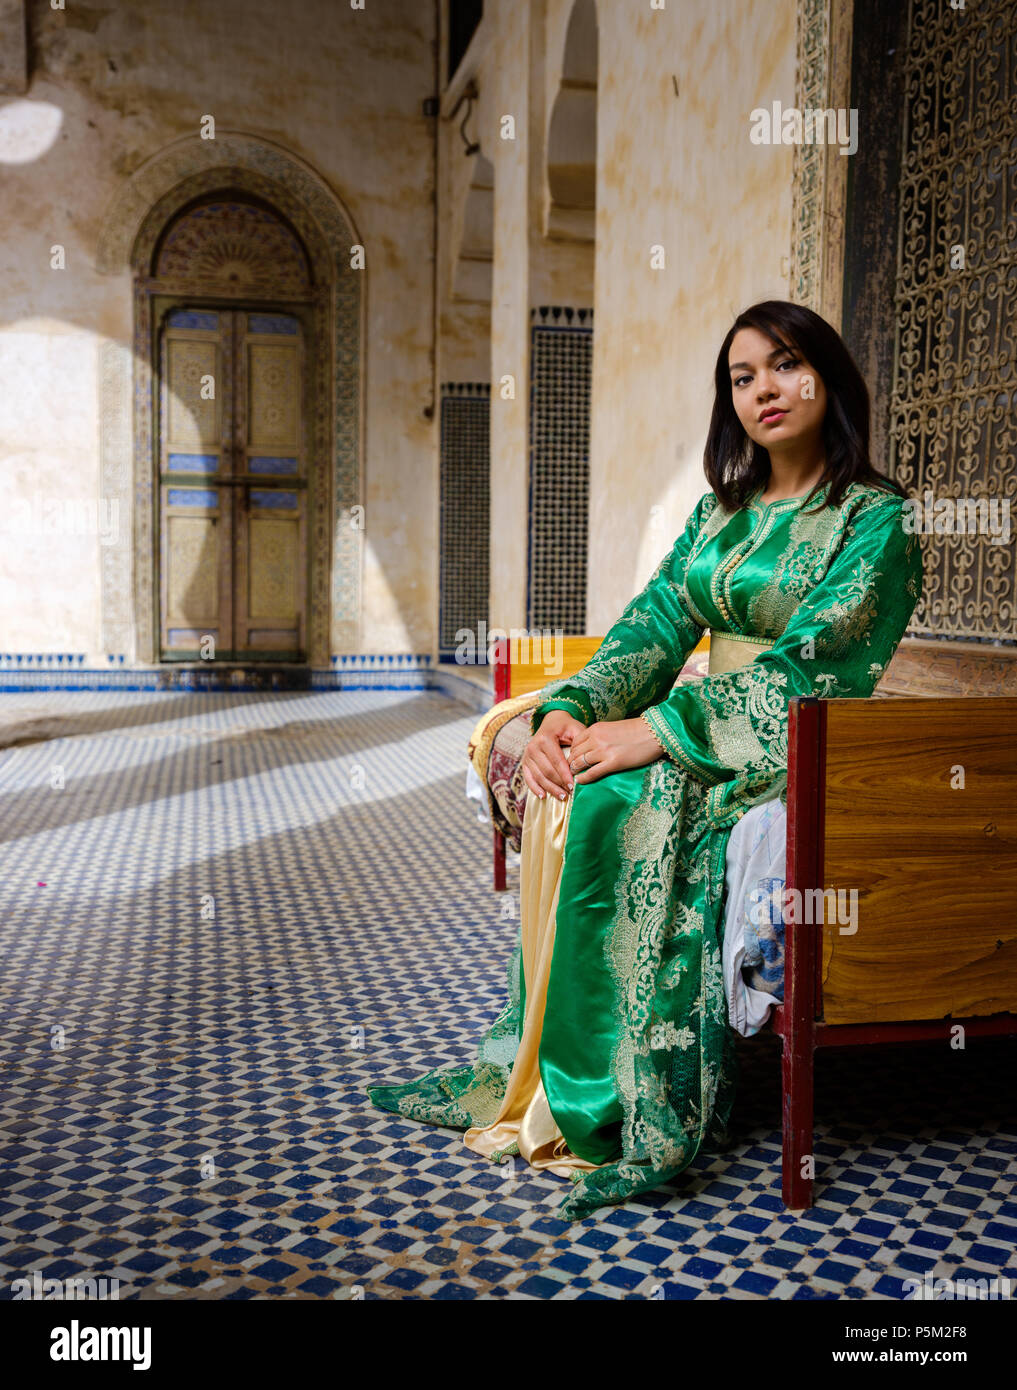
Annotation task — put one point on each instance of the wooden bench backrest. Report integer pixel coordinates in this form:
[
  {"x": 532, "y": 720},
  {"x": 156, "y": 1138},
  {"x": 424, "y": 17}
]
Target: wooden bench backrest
[
  {"x": 920, "y": 816},
  {"x": 532, "y": 669}
]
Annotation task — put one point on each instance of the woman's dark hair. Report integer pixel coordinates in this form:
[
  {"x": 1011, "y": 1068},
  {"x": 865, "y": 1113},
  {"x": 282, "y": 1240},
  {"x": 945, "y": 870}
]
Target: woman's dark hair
[{"x": 736, "y": 466}]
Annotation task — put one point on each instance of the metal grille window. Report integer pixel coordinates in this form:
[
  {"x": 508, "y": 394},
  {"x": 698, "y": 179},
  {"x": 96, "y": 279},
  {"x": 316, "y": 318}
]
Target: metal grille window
[
  {"x": 952, "y": 418},
  {"x": 561, "y": 350},
  {"x": 464, "y": 564}
]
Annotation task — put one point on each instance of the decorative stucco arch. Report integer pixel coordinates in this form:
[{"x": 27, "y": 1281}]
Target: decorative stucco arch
[
  {"x": 145, "y": 204},
  {"x": 474, "y": 263},
  {"x": 571, "y": 194}
]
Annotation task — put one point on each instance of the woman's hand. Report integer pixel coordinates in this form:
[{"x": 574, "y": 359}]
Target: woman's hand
[
  {"x": 545, "y": 766},
  {"x": 613, "y": 746}
]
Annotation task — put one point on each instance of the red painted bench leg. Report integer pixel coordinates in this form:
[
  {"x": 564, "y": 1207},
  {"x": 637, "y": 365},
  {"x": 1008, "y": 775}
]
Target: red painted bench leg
[
  {"x": 798, "y": 1161},
  {"x": 805, "y": 775},
  {"x": 499, "y": 861}
]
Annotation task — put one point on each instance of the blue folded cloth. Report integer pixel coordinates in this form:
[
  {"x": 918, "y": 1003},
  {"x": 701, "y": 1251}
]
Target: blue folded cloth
[{"x": 763, "y": 965}]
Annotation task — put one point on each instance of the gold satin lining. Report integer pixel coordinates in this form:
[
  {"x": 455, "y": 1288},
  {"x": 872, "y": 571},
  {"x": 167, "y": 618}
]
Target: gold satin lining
[
  {"x": 525, "y": 1118},
  {"x": 728, "y": 652}
]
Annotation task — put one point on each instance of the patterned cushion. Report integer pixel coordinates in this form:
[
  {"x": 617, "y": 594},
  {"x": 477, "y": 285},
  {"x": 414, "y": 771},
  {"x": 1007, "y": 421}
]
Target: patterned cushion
[{"x": 505, "y": 782}]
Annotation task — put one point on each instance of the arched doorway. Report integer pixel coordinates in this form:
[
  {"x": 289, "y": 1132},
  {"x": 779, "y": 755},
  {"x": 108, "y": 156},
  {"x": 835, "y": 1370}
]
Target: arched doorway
[
  {"x": 232, "y": 297},
  {"x": 172, "y": 180}
]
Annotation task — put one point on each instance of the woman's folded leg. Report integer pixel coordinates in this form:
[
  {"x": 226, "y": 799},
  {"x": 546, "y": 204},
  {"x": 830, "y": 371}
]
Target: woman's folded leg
[
  {"x": 636, "y": 1056},
  {"x": 524, "y": 1123}
]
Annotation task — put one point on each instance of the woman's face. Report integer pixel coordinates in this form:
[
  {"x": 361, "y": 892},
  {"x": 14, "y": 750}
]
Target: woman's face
[{"x": 765, "y": 377}]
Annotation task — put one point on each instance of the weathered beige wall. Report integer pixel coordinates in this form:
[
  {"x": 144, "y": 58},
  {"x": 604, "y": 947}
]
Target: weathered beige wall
[
  {"x": 340, "y": 88},
  {"x": 679, "y": 172},
  {"x": 674, "y": 171},
  {"x": 521, "y": 66},
  {"x": 464, "y": 343},
  {"x": 49, "y": 583},
  {"x": 561, "y": 271},
  {"x": 506, "y": 90}
]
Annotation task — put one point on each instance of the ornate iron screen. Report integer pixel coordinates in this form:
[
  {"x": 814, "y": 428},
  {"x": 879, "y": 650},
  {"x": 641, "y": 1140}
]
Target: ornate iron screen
[
  {"x": 953, "y": 417},
  {"x": 561, "y": 367},
  {"x": 464, "y": 568}
]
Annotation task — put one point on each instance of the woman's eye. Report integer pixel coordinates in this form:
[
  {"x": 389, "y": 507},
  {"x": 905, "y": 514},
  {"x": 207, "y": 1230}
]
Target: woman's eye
[{"x": 787, "y": 362}]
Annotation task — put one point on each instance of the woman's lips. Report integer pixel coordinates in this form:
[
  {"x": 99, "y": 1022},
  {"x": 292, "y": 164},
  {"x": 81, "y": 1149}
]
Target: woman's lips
[{"x": 773, "y": 417}]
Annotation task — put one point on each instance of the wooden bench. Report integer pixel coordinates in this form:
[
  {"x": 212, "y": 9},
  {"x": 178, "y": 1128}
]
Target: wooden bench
[{"x": 910, "y": 802}]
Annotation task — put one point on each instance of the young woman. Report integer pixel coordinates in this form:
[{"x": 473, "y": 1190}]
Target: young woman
[{"x": 613, "y": 1061}]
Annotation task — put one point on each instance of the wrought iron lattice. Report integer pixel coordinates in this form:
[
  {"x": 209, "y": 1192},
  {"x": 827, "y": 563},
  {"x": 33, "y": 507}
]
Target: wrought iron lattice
[
  {"x": 953, "y": 417},
  {"x": 464, "y": 570},
  {"x": 561, "y": 357}
]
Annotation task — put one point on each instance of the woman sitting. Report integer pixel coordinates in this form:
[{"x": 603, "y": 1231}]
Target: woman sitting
[{"x": 613, "y": 1061}]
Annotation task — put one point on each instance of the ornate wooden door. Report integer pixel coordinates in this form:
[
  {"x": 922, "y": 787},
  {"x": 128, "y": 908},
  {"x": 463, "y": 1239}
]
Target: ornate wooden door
[{"x": 233, "y": 485}]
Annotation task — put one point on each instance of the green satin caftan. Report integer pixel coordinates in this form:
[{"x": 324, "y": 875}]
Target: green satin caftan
[{"x": 636, "y": 1055}]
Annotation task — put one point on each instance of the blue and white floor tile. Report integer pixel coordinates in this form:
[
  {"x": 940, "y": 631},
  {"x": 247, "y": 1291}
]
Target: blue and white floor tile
[{"x": 224, "y": 915}]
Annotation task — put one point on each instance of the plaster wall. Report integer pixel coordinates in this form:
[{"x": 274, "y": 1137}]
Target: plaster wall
[
  {"x": 111, "y": 86},
  {"x": 679, "y": 172},
  {"x": 508, "y": 84},
  {"x": 676, "y": 171},
  {"x": 464, "y": 346},
  {"x": 342, "y": 90},
  {"x": 529, "y": 269}
]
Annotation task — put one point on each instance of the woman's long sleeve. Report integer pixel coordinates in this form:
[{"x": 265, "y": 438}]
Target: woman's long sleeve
[
  {"x": 730, "y": 730},
  {"x": 640, "y": 658}
]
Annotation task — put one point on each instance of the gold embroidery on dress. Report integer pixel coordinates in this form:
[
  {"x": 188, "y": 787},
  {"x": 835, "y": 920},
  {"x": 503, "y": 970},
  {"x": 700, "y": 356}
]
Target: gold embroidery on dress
[
  {"x": 714, "y": 522},
  {"x": 852, "y": 616},
  {"x": 669, "y": 808},
  {"x": 812, "y": 540},
  {"x": 612, "y": 681},
  {"x": 720, "y": 580}
]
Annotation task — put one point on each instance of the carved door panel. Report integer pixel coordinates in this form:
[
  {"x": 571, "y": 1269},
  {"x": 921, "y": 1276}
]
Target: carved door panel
[
  {"x": 196, "y": 443},
  {"x": 233, "y": 486},
  {"x": 270, "y": 583}
]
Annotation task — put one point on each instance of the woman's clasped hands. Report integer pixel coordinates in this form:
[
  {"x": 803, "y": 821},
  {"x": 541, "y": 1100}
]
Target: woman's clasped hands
[{"x": 564, "y": 751}]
